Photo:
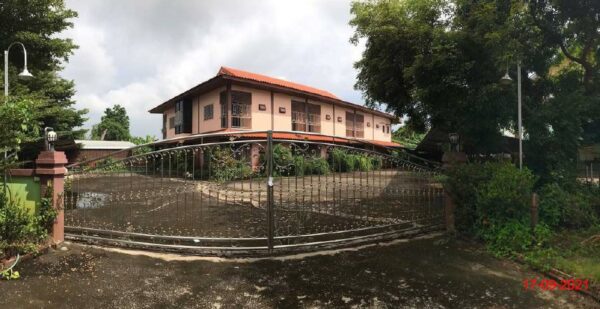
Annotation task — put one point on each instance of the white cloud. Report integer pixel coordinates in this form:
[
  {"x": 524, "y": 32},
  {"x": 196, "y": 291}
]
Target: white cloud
[{"x": 140, "y": 53}]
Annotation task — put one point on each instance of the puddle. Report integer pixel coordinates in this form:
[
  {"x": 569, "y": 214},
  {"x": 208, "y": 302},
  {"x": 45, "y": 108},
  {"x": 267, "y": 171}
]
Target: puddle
[{"x": 89, "y": 200}]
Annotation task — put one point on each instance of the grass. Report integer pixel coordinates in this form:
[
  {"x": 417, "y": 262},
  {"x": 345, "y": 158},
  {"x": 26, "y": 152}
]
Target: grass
[{"x": 567, "y": 253}]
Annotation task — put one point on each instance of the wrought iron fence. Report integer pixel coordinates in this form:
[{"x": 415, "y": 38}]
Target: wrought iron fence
[{"x": 259, "y": 196}]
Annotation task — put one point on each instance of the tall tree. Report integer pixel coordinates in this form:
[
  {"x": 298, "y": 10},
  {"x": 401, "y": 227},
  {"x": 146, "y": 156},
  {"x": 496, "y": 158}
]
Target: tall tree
[
  {"x": 113, "y": 126},
  {"x": 439, "y": 62},
  {"x": 37, "y": 23}
]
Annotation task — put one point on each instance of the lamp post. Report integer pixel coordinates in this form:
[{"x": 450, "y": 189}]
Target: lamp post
[
  {"x": 507, "y": 80},
  {"x": 24, "y": 74}
]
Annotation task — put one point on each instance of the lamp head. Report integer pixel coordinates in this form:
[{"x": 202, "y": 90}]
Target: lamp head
[
  {"x": 25, "y": 74},
  {"x": 506, "y": 80}
]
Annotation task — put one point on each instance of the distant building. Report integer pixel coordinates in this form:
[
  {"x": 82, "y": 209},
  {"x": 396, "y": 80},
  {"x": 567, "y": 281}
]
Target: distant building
[{"x": 83, "y": 150}]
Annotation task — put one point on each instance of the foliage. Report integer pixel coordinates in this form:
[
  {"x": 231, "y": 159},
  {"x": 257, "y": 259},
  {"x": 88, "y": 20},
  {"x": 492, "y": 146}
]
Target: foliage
[
  {"x": 345, "y": 161},
  {"x": 287, "y": 163},
  {"x": 493, "y": 203},
  {"x": 577, "y": 208},
  {"x": 47, "y": 51},
  {"x": 407, "y": 137},
  {"x": 113, "y": 126},
  {"x": 139, "y": 141},
  {"x": 225, "y": 166},
  {"x": 109, "y": 164},
  {"x": 438, "y": 63},
  {"x": 21, "y": 231},
  {"x": 19, "y": 125}
]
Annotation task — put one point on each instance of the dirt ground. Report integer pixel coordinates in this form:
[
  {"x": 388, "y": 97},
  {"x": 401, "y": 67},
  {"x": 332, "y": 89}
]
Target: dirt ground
[{"x": 431, "y": 272}]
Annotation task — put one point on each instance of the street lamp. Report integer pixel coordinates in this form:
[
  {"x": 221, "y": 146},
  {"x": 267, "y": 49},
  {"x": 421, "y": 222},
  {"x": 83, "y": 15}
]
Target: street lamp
[
  {"x": 24, "y": 74},
  {"x": 506, "y": 80}
]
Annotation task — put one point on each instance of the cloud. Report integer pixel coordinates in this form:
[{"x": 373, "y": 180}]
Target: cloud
[{"x": 141, "y": 53}]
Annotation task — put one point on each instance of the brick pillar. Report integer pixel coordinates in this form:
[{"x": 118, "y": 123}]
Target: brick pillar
[
  {"x": 449, "y": 208},
  {"x": 50, "y": 167},
  {"x": 255, "y": 156},
  {"x": 534, "y": 210},
  {"x": 324, "y": 152}
]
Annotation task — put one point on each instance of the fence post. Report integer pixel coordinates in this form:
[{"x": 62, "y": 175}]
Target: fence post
[
  {"x": 270, "y": 200},
  {"x": 50, "y": 167},
  {"x": 534, "y": 210}
]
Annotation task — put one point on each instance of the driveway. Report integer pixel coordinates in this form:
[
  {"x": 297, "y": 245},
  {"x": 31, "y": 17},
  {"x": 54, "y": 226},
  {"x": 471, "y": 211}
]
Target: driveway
[{"x": 430, "y": 272}]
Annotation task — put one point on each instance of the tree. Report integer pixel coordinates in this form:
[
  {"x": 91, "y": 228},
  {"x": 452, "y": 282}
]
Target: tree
[
  {"x": 438, "y": 63},
  {"x": 113, "y": 126},
  {"x": 18, "y": 126},
  {"x": 407, "y": 137},
  {"x": 36, "y": 24}
]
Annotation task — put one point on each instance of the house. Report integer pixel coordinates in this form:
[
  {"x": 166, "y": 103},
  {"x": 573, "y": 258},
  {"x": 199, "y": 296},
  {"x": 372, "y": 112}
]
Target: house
[
  {"x": 237, "y": 101},
  {"x": 83, "y": 150}
]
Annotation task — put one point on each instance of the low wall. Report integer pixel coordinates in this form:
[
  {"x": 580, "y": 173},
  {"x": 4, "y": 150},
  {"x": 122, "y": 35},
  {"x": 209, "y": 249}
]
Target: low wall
[{"x": 25, "y": 187}]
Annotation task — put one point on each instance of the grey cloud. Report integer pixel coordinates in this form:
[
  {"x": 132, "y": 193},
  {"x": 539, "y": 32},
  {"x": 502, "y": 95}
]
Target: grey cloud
[{"x": 139, "y": 53}]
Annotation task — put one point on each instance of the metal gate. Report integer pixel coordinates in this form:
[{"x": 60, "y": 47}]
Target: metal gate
[{"x": 230, "y": 196}]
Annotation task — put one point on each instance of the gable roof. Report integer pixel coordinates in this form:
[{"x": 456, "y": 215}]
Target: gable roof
[
  {"x": 227, "y": 74},
  {"x": 274, "y": 81}
]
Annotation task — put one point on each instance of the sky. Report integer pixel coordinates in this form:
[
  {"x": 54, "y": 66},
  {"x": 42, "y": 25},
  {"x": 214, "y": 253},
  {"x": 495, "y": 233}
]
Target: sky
[{"x": 139, "y": 53}]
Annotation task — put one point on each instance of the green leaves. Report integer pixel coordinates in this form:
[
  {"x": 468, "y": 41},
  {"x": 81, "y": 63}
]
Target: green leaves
[{"x": 113, "y": 126}]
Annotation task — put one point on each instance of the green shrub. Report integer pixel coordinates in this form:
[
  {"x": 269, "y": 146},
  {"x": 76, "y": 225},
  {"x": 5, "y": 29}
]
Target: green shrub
[
  {"x": 21, "y": 231},
  {"x": 575, "y": 207},
  {"x": 317, "y": 166},
  {"x": 489, "y": 194},
  {"x": 225, "y": 167},
  {"x": 343, "y": 161},
  {"x": 514, "y": 237}
]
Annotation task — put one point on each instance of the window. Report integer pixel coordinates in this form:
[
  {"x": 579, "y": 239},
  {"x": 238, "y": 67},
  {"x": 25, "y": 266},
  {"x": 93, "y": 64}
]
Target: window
[
  {"x": 183, "y": 116},
  {"x": 209, "y": 111},
  {"x": 164, "y": 126},
  {"x": 306, "y": 117},
  {"x": 171, "y": 122},
  {"x": 388, "y": 129},
  {"x": 355, "y": 125},
  {"x": 241, "y": 114}
]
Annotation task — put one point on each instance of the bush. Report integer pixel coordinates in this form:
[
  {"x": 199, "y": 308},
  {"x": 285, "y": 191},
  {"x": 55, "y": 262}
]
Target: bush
[
  {"x": 489, "y": 194},
  {"x": 575, "y": 208},
  {"x": 317, "y": 166},
  {"x": 343, "y": 161},
  {"x": 225, "y": 167},
  {"x": 21, "y": 231}
]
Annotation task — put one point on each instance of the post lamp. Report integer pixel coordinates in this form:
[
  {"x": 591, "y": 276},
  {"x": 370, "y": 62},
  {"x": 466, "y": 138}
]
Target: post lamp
[
  {"x": 453, "y": 137},
  {"x": 24, "y": 74},
  {"x": 50, "y": 138},
  {"x": 506, "y": 80}
]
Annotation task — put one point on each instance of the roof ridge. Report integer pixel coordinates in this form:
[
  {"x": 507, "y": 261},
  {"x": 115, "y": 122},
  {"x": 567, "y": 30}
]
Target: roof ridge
[{"x": 273, "y": 80}]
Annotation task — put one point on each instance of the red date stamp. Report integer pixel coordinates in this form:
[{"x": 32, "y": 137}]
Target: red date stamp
[{"x": 551, "y": 284}]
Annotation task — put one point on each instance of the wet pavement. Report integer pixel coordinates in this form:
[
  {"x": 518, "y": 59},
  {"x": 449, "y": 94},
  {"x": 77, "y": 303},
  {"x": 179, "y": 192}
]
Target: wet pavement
[{"x": 433, "y": 272}]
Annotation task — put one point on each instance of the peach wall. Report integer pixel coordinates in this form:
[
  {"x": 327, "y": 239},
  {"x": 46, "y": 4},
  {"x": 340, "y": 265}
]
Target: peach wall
[
  {"x": 170, "y": 113},
  {"x": 379, "y": 134},
  {"x": 283, "y": 122},
  {"x": 213, "y": 124},
  {"x": 261, "y": 120}
]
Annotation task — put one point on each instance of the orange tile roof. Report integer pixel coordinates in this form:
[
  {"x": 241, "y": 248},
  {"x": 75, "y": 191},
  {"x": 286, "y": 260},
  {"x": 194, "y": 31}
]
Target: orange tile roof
[{"x": 274, "y": 81}]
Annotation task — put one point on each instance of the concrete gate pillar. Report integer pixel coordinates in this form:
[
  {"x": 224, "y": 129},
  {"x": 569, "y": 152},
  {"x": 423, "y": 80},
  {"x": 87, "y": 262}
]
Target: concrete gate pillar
[{"x": 50, "y": 167}]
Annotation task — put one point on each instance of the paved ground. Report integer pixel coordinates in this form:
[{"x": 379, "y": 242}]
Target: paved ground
[{"x": 423, "y": 273}]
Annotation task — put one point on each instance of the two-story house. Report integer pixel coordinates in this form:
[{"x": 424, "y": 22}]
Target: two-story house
[{"x": 237, "y": 101}]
